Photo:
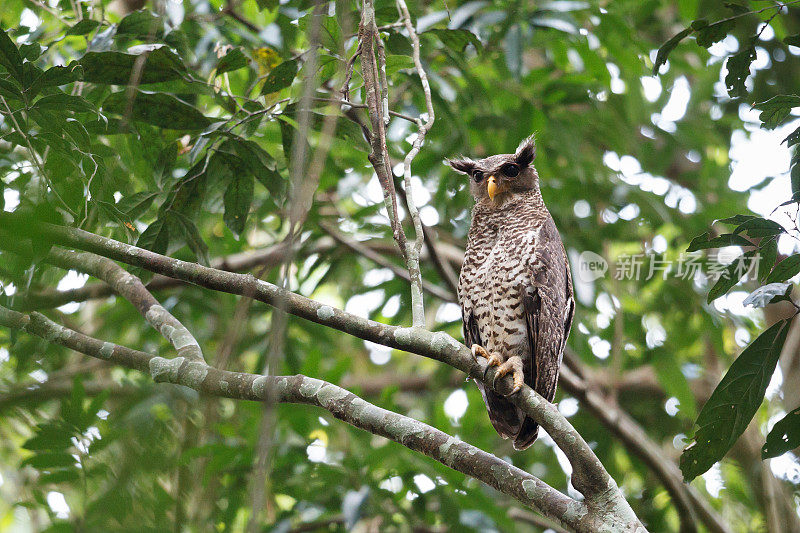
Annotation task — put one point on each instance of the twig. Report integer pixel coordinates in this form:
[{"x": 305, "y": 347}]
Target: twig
[
  {"x": 417, "y": 304},
  {"x": 375, "y": 257},
  {"x": 348, "y": 72},
  {"x": 363, "y": 106},
  {"x": 379, "y": 155},
  {"x": 238, "y": 17}
]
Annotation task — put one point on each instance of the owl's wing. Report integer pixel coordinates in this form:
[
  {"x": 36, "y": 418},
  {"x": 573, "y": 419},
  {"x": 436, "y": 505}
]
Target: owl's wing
[
  {"x": 549, "y": 308},
  {"x": 504, "y": 415}
]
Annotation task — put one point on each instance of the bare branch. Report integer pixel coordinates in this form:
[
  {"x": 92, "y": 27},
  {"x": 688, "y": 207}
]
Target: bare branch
[
  {"x": 379, "y": 155},
  {"x": 417, "y": 305}
]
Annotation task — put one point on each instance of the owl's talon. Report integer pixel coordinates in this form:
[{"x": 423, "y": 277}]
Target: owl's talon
[
  {"x": 492, "y": 359},
  {"x": 513, "y": 366}
]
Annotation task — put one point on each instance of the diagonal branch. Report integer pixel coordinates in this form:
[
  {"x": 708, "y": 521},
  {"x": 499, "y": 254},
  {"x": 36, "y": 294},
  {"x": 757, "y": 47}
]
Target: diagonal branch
[
  {"x": 588, "y": 476},
  {"x": 128, "y": 287},
  {"x": 344, "y": 405}
]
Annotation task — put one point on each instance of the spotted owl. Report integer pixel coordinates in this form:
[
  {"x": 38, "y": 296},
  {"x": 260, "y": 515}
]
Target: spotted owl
[{"x": 515, "y": 287}]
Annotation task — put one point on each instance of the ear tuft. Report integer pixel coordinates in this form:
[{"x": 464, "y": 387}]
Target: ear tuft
[
  {"x": 526, "y": 152},
  {"x": 464, "y": 165}
]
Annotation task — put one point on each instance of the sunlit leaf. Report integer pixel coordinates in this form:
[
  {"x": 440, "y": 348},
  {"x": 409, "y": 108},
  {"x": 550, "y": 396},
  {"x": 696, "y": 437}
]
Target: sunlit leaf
[{"x": 775, "y": 110}]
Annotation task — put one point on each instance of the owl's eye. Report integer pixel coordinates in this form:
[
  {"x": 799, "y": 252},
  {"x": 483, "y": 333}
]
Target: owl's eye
[
  {"x": 477, "y": 176},
  {"x": 510, "y": 169}
]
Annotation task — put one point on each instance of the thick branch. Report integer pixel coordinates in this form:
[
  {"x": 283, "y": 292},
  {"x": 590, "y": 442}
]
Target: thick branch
[
  {"x": 589, "y": 476},
  {"x": 132, "y": 289},
  {"x": 342, "y": 404}
]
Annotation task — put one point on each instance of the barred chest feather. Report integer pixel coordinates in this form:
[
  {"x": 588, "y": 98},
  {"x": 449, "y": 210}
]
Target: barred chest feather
[{"x": 497, "y": 270}]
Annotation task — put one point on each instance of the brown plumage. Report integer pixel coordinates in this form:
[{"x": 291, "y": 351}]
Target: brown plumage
[{"x": 515, "y": 287}]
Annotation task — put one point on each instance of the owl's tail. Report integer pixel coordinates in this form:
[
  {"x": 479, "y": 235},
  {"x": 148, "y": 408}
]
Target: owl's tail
[{"x": 527, "y": 434}]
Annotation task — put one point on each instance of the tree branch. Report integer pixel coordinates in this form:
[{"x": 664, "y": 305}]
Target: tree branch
[
  {"x": 415, "y": 435},
  {"x": 588, "y": 476},
  {"x": 379, "y": 155},
  {"x": 417, "y": 305},
  {"x": 132, "y": 289}
]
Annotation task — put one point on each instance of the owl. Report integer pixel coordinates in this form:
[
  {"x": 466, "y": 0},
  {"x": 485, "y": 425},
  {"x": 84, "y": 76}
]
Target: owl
[{"x": 515, "y": 287}]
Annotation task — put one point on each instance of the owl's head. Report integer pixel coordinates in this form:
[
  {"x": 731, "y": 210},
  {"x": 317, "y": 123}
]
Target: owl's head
[{"x": 500, "y": 176}]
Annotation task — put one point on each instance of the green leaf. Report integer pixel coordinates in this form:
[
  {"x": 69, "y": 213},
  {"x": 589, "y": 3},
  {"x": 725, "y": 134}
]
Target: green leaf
[
  {"x": 49, "y": 460},
  {"x": 113, "y": 213},
  {"x": 736, "y": 220},
  {"x": 188, "y": 230},
  {"x": 9, "y": 90},
  {"x": 760, "y": 227},
  {"x": 669, "y": 46},
  {"x": 397, "y": 63},
  {"x": 330, "y": 34},
  {"x": 50, "y": 437},
  {"x": 456, "y": 40},
  {"x": 155, "y": 238},
  {"x": 793, "y": 138},
  {"x": 738, "y": 66},
  {"x": 233, "y": 60},
  {"x": 117, "y": 68},
  {"x": 162, "y": 171},
  {"x": 737, "y": 8},
  {"x": 237, "y": 199},
  {"x": 708, "y": 34},
  {"x": 142, "y": 24},
  {"x": 738, "y": 268},
  {"x": 733, "y": 403},
  {"x": 83, "y": 27},
  {"x": 728, "y": 239},
  {"x": 64, "y": 102},
  {"x": 59, "y": 476},
  {"x": 9, "y": 56},
  {"x": 784, "y": 436},
  {"x": 257, "y": 162},
  {"x": 56, "y": 76},
  {"x": 135, "y": 205},
  {"x": 775, "y": 110},
  {"x": 159, "y": 109},
  {"x": 792, "y": 40},
  {"x": 30, "y": 52},
  {"x": 769, "y": 253},
  {"x": 788, "y": 268},
  {"x": 398, "y": 45},
  {"x": 280, "y": 77},
  {"x": 269, "y": 5}
]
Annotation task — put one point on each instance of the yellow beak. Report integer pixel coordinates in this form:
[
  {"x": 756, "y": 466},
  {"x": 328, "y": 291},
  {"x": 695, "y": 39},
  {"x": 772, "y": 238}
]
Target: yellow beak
[{"x": 491, "y": 187}]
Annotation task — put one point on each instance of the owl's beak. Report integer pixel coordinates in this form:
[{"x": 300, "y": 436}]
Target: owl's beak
[{"x": 491, "y": 187}]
